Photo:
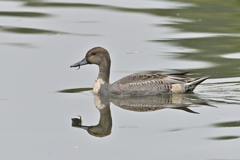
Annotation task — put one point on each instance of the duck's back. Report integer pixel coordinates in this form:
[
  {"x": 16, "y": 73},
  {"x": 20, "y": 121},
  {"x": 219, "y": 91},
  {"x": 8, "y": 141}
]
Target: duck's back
[{"x": 150, "y": 84}]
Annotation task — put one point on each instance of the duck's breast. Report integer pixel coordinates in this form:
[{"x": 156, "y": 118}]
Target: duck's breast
[{"x": 97, "y": 85}]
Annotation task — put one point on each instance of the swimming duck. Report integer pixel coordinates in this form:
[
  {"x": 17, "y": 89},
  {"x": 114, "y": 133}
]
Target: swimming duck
[{"x": 137, "y": 84}]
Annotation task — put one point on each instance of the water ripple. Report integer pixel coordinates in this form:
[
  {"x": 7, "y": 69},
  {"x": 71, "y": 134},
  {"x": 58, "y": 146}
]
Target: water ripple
[
  {"x": 58, "y": 4},
  {"x": 227, "y": 124},
  {"x": 75, "y": 90},
  {"x": 23, "y": 14},
  {"x": 25, "y": 45},
  {"x": 223, "y": 92},
  {"x": 224, "y": 137},
  {"x": 24, "y": 30}
]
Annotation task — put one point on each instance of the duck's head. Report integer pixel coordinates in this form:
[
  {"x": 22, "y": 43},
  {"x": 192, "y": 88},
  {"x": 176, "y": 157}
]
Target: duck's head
[{"x": 96, "y": 55}]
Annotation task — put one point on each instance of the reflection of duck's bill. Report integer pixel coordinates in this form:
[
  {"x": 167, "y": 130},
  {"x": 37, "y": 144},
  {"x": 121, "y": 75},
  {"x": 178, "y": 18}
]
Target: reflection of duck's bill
[
  {"x": 85, "y": 127},
  {"x": 77, "y": 122},
  {"x": 82, "y": 127}
]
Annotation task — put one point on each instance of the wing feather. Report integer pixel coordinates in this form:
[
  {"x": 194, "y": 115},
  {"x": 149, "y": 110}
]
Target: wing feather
[{"x": 156, "y": 78}]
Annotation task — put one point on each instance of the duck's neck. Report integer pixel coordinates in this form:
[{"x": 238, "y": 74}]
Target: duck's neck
[
  {"x": 104, "y": 72},
  {"x": 102, "y": 79}
]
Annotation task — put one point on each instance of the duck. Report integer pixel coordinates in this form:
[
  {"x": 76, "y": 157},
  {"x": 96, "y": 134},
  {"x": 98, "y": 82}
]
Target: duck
[{"x": 137, "y": 84}]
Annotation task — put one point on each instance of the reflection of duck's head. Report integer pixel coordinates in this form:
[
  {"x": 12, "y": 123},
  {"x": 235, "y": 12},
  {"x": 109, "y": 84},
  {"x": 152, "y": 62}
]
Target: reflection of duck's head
[
  {"x": 104, "y": 127},
  {"x": 99, "y": 130}
]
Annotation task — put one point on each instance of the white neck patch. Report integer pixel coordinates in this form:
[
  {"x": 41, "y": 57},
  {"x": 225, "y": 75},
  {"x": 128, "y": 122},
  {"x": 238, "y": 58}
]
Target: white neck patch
[
  {"x": 97, "y": 85},
  {"x": 98, "y": 103}
]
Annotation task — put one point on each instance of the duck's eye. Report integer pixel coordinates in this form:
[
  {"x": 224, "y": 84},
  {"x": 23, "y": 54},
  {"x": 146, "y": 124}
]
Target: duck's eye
[{"x": 94, "y": 53}]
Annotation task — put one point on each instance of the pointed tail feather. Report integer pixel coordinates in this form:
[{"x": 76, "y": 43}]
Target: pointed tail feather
[
  {"x": 200, "y": 80},
  {"x": 191, "y": 86}
]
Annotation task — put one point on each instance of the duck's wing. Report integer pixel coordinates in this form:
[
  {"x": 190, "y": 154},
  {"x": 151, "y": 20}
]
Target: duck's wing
[
  {"x": 161, "y": 78},
  {"x": 157, "y": 83}
]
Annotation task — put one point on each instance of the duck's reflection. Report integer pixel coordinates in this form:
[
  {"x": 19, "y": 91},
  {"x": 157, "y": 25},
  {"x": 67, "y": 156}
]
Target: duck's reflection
[
  {"x": 104, "y": 127},
  {"x": 138, "y": 104}
]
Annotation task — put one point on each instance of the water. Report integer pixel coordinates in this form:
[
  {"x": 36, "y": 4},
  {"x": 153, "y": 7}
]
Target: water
[{"x": 40, "y": 94}]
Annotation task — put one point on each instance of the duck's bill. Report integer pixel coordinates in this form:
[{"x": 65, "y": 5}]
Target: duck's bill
[{"x": 80, "y": 63}]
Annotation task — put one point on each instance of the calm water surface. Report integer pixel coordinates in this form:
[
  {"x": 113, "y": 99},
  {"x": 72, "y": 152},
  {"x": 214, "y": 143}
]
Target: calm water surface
[{"x": 40, "y": 94}]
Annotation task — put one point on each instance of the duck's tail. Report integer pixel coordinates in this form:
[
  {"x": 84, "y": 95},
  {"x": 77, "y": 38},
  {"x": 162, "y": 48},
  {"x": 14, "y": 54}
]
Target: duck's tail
[{"x": 192, "y": 85}]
